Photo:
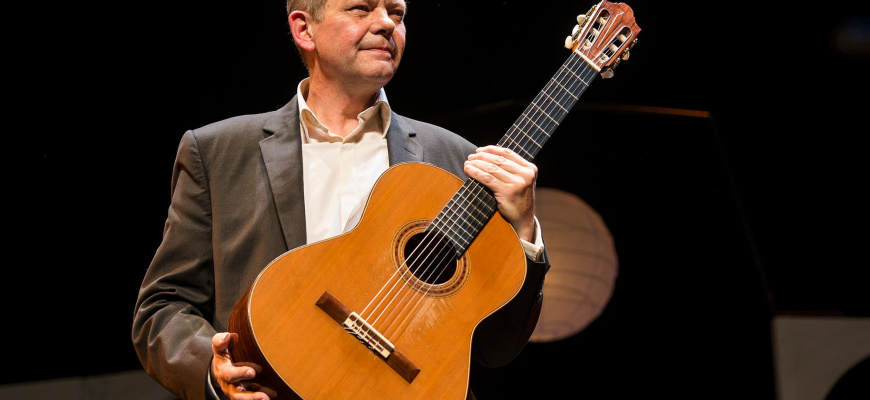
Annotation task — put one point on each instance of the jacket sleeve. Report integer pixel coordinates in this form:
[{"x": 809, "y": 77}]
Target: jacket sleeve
[
  {"x": 171, "y": 321},
  {"x": 503, "y": 335}
]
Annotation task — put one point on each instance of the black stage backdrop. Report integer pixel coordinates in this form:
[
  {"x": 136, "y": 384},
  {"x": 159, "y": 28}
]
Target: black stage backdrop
[{"x": 722, "y": 218}]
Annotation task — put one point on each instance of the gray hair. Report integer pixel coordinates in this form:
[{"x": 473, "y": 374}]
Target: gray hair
[{"x": 312, "y": 7}]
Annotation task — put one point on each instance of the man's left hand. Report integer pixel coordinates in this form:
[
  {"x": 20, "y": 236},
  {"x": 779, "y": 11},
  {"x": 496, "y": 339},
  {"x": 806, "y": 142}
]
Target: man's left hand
[{"x": 512, "y": 180}]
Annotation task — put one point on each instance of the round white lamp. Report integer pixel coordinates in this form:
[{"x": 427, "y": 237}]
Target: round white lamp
[{"x": 583, "y": 264}]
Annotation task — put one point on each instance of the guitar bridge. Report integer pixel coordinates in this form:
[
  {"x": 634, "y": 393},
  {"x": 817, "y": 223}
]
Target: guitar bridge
[{"x": 368, "y": 336}]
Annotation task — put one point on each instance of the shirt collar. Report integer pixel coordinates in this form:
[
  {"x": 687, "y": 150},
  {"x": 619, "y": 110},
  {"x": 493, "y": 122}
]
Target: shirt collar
[{"x": 320, "y": 133}]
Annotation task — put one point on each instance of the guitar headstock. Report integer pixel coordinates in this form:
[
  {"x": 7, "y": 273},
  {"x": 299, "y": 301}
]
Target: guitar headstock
[{"x": 604, "y": 35}]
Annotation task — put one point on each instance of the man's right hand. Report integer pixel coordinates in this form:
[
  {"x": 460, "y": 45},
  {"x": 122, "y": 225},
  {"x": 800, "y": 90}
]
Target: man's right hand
[{"x": 233, "y": 378}]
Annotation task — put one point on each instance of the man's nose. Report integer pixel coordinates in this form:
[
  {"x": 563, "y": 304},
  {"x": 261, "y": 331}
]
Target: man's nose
[{"x": 383, "y": 23}]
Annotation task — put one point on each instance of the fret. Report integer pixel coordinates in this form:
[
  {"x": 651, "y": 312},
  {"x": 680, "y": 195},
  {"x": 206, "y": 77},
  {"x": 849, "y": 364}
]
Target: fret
[
  {"x": 458, "y": 241},
  {"x": 454, "y": 216},
  {"x": 565, "y": 89},
  {"x": 545, "y": 114},
  {"x": 543, "y": 127},
  {"x": 518, "y": 146},
  {"x": 555, "y": 102},
  {"x": 477, "y": 215},
  {"x": 473, "y": 205},
  {"x": 577, "y": 77},
  {"x": 544, "y": 131}
]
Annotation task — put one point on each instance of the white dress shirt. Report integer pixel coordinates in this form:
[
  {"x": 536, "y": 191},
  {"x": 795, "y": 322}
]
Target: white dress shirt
[{"x": 339, "y": 173}]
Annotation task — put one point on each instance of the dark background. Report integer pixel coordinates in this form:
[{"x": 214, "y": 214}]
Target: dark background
[{"x": 750, "y": 209}]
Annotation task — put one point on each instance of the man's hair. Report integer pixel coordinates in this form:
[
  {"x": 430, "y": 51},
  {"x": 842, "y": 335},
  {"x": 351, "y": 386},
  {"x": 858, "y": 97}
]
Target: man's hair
[{"x": 312, "y": 7}]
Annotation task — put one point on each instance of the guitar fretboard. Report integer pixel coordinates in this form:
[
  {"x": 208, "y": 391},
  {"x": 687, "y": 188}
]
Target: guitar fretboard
[{"x": 473, "y": 205}]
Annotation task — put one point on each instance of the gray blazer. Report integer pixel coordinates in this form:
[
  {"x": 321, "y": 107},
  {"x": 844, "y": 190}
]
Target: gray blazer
[{"x": 237, "y": 204}]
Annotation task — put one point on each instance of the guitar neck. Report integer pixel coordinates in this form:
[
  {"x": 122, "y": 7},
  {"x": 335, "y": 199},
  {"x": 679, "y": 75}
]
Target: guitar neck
[
  {"x": 473, "y": 205},
  {"x": 540, "y": 119}
]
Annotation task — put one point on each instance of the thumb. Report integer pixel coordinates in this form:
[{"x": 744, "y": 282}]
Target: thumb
[{"x": 221, "y": 341}]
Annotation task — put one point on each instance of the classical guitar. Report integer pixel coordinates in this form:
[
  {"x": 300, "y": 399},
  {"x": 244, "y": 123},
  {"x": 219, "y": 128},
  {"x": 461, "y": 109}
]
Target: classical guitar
[{"x": 388, "y": 310}]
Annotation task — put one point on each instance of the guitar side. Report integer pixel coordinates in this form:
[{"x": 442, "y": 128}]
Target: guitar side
[{"x": 307, "y": 353}]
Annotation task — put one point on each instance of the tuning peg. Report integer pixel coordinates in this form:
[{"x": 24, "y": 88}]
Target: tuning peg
[
  {"x": 625, "y": 55},
  {"x": 607, "y": 73},
  {"x": 581, "y": 19},
  {"x": 569, "y": 42}
]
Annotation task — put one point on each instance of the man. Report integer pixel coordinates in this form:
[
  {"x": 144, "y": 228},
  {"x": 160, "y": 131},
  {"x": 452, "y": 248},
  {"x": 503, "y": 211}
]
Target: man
[{"x": 248, "y": 189}]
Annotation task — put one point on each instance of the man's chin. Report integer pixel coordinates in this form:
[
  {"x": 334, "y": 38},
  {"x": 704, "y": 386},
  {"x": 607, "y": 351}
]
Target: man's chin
[{"x": 383, "y": 74}]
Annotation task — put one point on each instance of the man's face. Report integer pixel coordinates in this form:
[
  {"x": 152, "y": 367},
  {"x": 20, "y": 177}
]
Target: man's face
[{"x": 360, "y": 40}]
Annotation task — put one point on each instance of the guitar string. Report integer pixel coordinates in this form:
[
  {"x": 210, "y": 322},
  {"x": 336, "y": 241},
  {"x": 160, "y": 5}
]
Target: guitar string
[
  {"x": 444, "y": 254},
  {"x": 443, "y": 257},
  {"x": 531, "y": 117},
  {"x": 525, "y": 134},
  {"x": 432, "y": 260},
  {"x": 546, "y": 114},
  {"x": 536, "y": 116},
  {"x": 550, "y": 85},
  {"x": 527, "y": 115},
  {"x": 428, "y": 240},
  {"x": 403, "y": 268},
  {"x": 585, "y": 82},
  {"x": 413, "y": 258}
]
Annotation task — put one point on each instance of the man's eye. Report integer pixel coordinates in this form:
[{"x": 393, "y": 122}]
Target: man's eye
[{"x": 362, "y": 7}]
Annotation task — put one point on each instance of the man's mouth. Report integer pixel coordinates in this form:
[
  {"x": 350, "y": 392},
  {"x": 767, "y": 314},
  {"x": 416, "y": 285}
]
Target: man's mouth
[{"x": 384, "y": 52}]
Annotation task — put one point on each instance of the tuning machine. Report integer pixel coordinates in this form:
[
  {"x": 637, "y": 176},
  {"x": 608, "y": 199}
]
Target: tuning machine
[
  {"x": 581, "y": 22},
  {"x": 608, "y": 72}
]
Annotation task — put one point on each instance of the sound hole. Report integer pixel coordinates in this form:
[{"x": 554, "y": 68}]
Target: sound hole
[{"x": 430, "y": 257}]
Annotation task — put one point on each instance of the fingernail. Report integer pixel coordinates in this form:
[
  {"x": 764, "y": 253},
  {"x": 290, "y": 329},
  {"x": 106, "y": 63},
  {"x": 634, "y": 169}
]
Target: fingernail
[
  {"x": 250, "y": 373},
  {"x": 224, "y": 337}
]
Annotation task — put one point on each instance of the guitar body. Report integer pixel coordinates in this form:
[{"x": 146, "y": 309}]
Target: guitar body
[{"x": 307, "y": 353}]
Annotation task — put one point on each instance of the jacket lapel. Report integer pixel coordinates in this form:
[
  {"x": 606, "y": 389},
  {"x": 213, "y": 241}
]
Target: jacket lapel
[
  {"x": 401, "y": 143},
  {"x": 282, "y": 156}
]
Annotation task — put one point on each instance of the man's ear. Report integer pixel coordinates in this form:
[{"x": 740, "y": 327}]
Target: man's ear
[{"x": 301, "y": 28}]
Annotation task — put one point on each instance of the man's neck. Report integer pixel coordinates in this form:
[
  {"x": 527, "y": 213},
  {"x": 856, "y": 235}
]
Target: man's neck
[{"x": 337, "y": 107}]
